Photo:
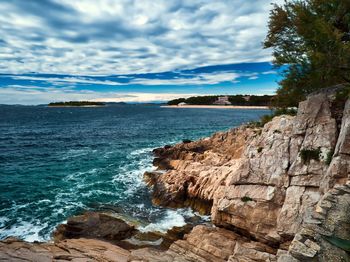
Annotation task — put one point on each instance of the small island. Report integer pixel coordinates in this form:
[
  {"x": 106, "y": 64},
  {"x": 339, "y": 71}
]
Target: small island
[{"x": 76, "y": 104}]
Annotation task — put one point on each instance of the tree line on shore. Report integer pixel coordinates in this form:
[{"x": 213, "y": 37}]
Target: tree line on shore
[{"x": 239, "y": 100}]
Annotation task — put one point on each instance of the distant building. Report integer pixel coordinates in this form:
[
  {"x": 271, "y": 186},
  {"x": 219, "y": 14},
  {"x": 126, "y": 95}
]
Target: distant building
[
  {"x": 181, "y": 104},
  {"x": 246, "y": 98},
  {"x": 222, "y": 100}
]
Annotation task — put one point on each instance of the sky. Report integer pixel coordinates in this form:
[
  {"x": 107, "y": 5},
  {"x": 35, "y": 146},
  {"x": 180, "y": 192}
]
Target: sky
[{"x": 132, "y": 50}]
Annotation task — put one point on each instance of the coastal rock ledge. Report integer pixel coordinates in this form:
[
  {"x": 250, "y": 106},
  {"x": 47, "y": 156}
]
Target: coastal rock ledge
[
  {"x": 270, "y": 184},
  {"x": 275, "y": 193}
]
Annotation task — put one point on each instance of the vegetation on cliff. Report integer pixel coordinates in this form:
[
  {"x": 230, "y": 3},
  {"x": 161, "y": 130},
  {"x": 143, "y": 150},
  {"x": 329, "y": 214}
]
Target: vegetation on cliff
[{"x": 312, "y": 37}]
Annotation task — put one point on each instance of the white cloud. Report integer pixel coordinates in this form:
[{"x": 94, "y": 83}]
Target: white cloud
[
  {"x": 182, "y": 79},
  {"x": 129, "y": 36},
  {"x": 32, "y": 95},
  {"x": 73, "y": 80},
  {"x": 142, "y": 97}
]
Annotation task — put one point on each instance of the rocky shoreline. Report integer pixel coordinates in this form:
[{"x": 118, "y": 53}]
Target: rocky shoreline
[{"x": 273, "y": 193}]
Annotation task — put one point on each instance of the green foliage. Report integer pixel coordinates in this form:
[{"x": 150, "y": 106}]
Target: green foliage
[
  {"x": 329, "y": 157},
  {"x": 285, "y": 111},
  {"x": 338, "y": 242},
  {"x": 308, "y": 154},
  {"x": 246, "y": 199},
  {"x": 76, "y": 103},
  {"x": 342, "y": 95},
  {"x": 254, "y": 124},
  {"x": 312, "y": 37},
  {"x": 177, "y": 101},
  {"x": 201, "y": 100},
  {"x": 238, "y": 100},
  {"x": 260, "y": 149},
  {"x": 267, "y": 118}
]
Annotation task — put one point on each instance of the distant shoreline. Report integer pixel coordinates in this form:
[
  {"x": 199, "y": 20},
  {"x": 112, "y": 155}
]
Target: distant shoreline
[
  {"x": 76, "y": 106},
  {"x": 216, "y": 107}
]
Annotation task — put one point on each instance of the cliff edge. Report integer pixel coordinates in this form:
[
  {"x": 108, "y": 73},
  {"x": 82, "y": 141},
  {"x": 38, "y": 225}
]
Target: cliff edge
[{"x": 268, "y": 185}]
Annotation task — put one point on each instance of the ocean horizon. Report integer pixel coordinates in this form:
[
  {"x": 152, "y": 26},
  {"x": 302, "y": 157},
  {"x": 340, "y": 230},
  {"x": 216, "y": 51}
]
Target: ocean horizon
[{"x": 60, "y": 162}]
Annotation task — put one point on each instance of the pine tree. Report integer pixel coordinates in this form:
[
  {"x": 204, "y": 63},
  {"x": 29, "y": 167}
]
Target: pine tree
[{"x": 312, "y": 39}]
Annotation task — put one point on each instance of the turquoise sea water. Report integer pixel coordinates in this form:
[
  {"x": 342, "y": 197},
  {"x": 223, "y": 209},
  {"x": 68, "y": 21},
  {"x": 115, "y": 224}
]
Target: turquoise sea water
[{"x": 57, "y": 162}]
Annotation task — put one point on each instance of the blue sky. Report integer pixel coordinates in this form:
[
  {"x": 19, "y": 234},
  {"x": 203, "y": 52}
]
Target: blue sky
[{"x": 131, "y": 50}]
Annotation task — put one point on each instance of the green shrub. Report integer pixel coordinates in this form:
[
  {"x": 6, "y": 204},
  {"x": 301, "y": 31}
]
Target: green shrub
[
  {"x": 254, "y": 124},
  {"x": 329, "y": 157},
  {"x": 338, "y": 242},
  {"x": 246, "y": 199},
  {"x": 265, "y": 119},
  {"x": 260, "y": 149},
  {"x": 285, "y": 111},
  {"x": 277, "y": 112},
  {"x": 308, "y": 154},
  {"x": 342, "y": 95}
]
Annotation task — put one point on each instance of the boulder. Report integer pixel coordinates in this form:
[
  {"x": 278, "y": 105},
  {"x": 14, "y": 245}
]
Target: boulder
[{"x": 94, "y": 225}]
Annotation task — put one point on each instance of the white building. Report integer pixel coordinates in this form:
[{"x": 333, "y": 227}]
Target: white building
[{"x": 222, "y": 100}]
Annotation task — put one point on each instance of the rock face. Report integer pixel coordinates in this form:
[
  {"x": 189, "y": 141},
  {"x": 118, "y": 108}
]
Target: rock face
[
  {"x": 67, "y": 250},
  {"x": 94, "y": 225},
  {"x": 331, "y": 218},
  {"x": 209, "y": 244},
  {"x": 263, "y": 183}
]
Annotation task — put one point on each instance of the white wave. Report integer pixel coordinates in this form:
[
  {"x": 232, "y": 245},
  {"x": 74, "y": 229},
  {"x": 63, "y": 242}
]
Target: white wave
[
  {"x": 142, "y": 151},
  {"x": 72, "y": 153},
  {"x": 138, "y": 242},
  {"x": 173, "y": 218},
  {"x": 44, "y": 201},
  {"x": 28, "y": 231},
  {"x": 79, "y": 176},
  {"x": 3, "y": 220},
  {"x": 98, "y": 192}
]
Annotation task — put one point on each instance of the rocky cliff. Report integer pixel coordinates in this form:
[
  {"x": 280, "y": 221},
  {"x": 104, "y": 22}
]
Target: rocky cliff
[
  {"x": 274, "y": 193},
  {"x": 267, "y": 184}
]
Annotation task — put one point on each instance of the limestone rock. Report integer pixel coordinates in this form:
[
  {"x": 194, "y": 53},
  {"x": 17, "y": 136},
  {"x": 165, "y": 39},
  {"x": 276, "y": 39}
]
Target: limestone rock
[
  {"x": 256, "y": 180},
  {"x": 66, "y": 250},
  {"x": 332, "y": 211},
  {"x": 94, "y": 225},
  {"x": 208, "y": 244}
]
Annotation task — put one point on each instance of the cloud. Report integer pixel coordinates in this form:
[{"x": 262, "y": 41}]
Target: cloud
[
  {"x": 142, "y": 97},
  {"x": 28, "y": 95},
  {"x": 178, "y": 78},
  {"x": 129, "y": 36},
  {"x": 58, "y": 81}
]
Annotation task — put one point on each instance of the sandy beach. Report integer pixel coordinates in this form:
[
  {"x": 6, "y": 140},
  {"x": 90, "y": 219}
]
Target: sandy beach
[{"x": 217, "y": 107}]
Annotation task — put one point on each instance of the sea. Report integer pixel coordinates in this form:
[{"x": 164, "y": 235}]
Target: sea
[{"x": 56, "y": 162}]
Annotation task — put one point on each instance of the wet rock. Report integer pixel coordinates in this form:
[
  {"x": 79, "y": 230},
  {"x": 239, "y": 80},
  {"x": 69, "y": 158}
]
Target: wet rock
[{"x": 94, "y": 225}]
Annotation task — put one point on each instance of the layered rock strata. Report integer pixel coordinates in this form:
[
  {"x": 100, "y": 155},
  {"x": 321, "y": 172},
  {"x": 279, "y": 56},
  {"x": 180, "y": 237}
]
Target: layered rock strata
[{"x": 262, "y": 183}]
